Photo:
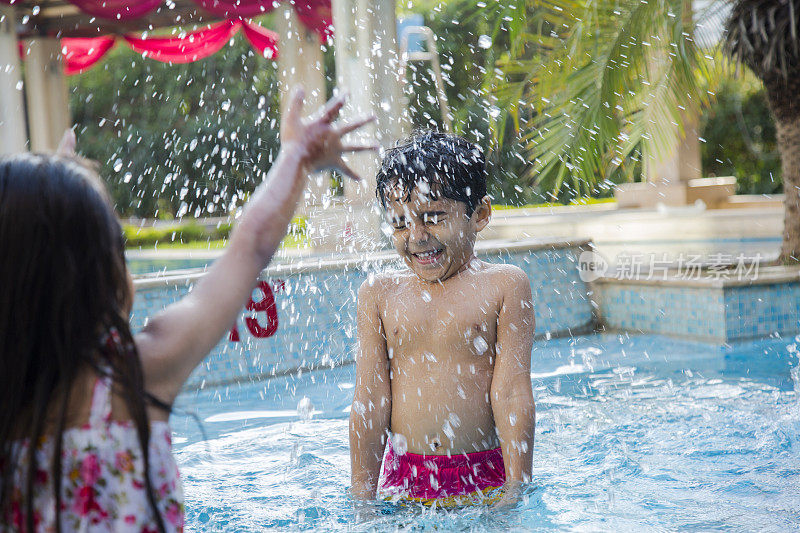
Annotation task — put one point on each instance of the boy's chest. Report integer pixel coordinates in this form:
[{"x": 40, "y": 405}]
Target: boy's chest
[{"x": 432, "y": 321}]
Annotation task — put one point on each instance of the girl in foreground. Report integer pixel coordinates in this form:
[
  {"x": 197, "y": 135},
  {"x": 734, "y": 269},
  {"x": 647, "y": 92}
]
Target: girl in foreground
[{"x": 84, "y": 404}]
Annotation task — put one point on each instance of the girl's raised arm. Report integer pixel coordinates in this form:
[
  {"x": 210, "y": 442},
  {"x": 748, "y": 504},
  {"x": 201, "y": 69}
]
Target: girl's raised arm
[{"x": 176, "y": 340}]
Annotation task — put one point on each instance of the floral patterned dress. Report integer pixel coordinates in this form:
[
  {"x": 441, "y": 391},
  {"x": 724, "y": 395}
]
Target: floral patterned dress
[{"x": 103, "y": 486}]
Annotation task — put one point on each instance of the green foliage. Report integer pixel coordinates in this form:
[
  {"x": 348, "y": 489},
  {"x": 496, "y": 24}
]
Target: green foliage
[
  {"x": 604, "y": 81},
  {"x": 149, "y": 236},
  {"x": 576, "y": 201},
  {"x": 193, "y": 232},
  {"x": 471, "y": 37},
  {"x": 175, "y": 140},
  {"x": 740, "y": 138}
]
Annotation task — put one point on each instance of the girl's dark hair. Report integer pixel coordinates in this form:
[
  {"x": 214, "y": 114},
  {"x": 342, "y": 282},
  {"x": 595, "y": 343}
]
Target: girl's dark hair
[
  {"x": 449, "y": 166},
  {"x": 64, "y": 287}
]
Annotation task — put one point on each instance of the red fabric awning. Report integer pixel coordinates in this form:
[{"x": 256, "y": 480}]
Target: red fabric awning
[
  {"x": 116, "y": 9},
  {"x": 81, "y": 54},
  {"x": 131, "y": 9},
  {"x": 315, "y": 14},
  {"x": 238, "y": 8}
]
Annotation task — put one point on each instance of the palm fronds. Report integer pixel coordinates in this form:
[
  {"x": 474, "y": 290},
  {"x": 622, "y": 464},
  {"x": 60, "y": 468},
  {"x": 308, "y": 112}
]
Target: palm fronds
[{"x": 605, "y": 80}]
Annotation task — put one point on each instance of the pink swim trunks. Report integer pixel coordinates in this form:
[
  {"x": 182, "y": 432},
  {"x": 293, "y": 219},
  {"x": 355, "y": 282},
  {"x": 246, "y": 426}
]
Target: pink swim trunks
[{"x": 445, "y": 480}]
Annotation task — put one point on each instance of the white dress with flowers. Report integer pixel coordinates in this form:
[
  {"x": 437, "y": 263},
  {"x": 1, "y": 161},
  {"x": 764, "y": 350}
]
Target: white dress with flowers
[{"x": 102, "y": 485}]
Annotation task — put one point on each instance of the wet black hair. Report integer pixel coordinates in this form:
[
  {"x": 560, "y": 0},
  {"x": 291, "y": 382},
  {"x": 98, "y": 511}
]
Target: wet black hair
[
  {"x": 64, "y": 289},
  {"x": 449, "y": 166}
]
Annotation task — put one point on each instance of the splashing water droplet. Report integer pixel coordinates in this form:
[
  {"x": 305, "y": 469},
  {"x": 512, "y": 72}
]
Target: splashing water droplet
[
  {"x": 455, "y": 421},
  {"x": 305, "y": 409},
  {"x": 399, "y": 444},
  {"x": 447, "y": 429},
  {"x": 484, "y": 41},
  {"x": 426, "y": 296},
  {"x": 512, "y": 419},
  {"x": 480, "y": 344}
]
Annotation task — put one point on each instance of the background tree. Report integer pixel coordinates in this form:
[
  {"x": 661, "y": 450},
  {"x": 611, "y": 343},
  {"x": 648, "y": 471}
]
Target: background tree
[
  {"x": 607, "y": 80},
  {"x": 763, "y": 34},
  {"x": 739, "y": 136},
  {"x": 176, "y": 140},
  {"x": 604, "y": 82},
  {"x": 471, "y": 37}
]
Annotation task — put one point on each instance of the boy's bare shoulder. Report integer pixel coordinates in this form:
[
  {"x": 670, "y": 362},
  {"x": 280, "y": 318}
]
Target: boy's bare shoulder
[
  {"x": 379, "y": 285},
  {"x": 505, "y": 274}
]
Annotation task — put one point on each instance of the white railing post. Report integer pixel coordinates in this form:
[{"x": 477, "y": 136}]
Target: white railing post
[
  {"x": 46, "y": 93},
  {"x": 13, "y": 136}
]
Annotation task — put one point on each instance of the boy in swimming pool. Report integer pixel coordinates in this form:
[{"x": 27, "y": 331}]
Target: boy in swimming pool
[{"x": 443, "y": 381}]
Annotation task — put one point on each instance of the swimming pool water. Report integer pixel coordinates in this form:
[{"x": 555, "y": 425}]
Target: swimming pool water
[
  {"x": 152, "y": 266},
  {"x": 639, "y": 433}
]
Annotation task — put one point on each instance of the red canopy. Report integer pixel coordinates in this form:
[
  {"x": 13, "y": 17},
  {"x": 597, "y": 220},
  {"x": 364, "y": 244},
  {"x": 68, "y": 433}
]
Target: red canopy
[
  {"x": 312, "y": 10},
  {"x": 81, "y": 53}
]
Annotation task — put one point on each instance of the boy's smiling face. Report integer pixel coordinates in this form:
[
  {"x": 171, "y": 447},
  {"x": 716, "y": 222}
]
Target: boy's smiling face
[{"x": 434, "y": 236}]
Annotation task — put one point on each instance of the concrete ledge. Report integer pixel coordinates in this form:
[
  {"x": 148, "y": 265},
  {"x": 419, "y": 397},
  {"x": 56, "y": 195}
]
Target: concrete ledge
[
  {"x": 753, "y": 200},
  {"x": 711, "y": 191},
  {"x": 627, "y": 225},
  {"x": 352, "y": 262},
  {"x": 716, "y": 310}
]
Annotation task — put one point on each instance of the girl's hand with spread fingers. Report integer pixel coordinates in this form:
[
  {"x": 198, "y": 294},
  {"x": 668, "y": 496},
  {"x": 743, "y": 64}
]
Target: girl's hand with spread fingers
[{"x": 318, "y": 140}]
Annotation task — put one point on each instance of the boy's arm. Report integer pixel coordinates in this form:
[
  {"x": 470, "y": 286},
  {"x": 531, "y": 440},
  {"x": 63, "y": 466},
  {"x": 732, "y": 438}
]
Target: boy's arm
[
  {"x": 511, "y": 393},
  {"x": 180, "y": 337},
  {"x": 371, "y": 412}
]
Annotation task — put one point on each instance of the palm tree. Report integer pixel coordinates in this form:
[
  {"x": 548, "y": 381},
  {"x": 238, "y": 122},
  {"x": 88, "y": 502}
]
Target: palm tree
[
  {"x": 763, "y": 34},
  {"x": 605, "y": 82},
  {"x": 608, "y": 81}
]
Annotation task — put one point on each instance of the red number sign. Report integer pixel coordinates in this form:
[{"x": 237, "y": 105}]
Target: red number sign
[{"x": 265, "y": 304}]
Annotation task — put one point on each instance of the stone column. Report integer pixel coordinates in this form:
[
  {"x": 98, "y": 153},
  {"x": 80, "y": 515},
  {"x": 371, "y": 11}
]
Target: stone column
[
  {"x": 368, "y": 68},
  {"x": 681, "y": 161},
  {"x": 46, "y": 93},
  {"x": 666, "y": 174},
  {"x": 300, "y": 62},
  {"x": 13, "y": 136}
]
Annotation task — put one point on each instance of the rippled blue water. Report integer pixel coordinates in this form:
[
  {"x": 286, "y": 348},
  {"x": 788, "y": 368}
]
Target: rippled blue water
[
  {"x": 633, "y": 433},
  {"x": 152, "y": 266}
]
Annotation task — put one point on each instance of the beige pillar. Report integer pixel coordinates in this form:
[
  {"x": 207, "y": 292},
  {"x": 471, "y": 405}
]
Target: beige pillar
[
  {"x": 300, "y": 61},
  {"x": 12, "y": 114},
  {"x": 368, "y": 68},
  {"x": 681, "y": 160},
  {"x": 46, "y": 93}
]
